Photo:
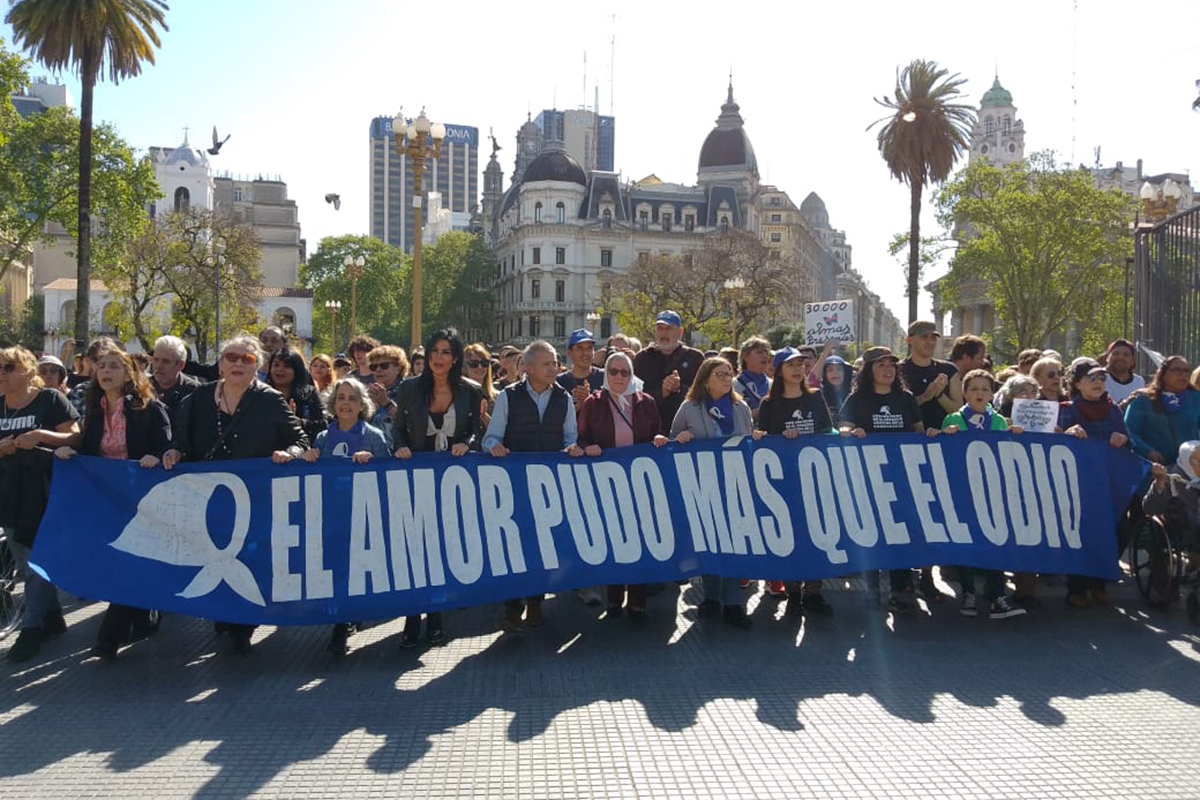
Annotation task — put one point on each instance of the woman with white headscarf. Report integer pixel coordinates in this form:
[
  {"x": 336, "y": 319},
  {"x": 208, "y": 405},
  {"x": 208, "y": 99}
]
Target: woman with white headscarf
[{"x": 617, "y": 415}]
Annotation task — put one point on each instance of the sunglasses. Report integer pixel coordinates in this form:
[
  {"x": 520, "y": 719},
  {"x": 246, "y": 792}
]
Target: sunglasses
[
  {"x": 617, "y": 372},
  {"x": 378, "y": 365},
  {"x": 476, "y": 364},
  {"x": 8, "y": 367},
  {"x": 239, "y": 358}
]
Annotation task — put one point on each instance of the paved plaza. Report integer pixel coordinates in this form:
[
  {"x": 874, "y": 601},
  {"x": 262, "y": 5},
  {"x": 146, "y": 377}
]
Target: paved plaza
[{"x": 1061, "y": 703}]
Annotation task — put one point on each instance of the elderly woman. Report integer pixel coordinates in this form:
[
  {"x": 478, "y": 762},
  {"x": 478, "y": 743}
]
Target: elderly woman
[
  {"x": 617, "y": 415},
  {"x": 124, "y": 421},
  {"x": 31, "y": 416},
  {"x": 288, "y": 375},
  {"x": 236, "y": 417},
  {"x": 439, "y": 411},
  {"x": 53, "y": 373},
  {"x": 713, "y": 410},
  {"x": 389, "y": 366}
]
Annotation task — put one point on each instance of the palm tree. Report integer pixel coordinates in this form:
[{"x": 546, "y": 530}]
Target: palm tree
[
  {"x": 90, "y": 36},
  {"x": 920, "y": 141}
]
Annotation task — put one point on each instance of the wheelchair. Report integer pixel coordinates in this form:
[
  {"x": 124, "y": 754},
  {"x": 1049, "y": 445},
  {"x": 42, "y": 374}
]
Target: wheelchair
[
  {"x": 12, "y": 602},
  {"x": 1164, "y": 561}
]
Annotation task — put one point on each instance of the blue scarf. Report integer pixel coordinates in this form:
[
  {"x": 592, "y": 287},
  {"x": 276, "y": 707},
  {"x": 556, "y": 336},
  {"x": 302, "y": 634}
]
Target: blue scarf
[
  {"x": 1172, "y": 402},
  {"x": 722, "y": 412},
  {"x": 344, "y": 444},
  {"x": 757, "y": 385},
  {"x": 977, "y": 420}
]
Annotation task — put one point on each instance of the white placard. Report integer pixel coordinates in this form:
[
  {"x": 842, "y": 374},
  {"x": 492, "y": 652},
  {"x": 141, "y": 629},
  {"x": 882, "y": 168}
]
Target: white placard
[
  {"x": 830, "y": 319},
  {"x": 1037, "y": 416}
]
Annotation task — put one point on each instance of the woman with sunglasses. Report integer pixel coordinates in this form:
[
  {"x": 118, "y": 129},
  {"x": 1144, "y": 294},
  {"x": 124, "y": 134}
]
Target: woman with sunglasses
[
  {"x": 1048, "y": 372},
  {"x": 32, "y": 418},
  {"x": 236, "y": 417},
  {"x": 712, "y": 410},
  {"x": 617, "y": 415},
  {"x": 388, "y": 365},
  {"x": 287, "y": 374},
  {"x": 477, "y": 365},
  {"x": 437, "y": 412},
  {"x": 1166, "y": 414},
  {"x": 123, "y": 420}
]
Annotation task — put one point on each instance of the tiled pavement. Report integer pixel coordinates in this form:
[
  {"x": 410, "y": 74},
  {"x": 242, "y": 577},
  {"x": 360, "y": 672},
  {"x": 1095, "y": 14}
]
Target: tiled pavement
[{"x": 1059, "y": 704}]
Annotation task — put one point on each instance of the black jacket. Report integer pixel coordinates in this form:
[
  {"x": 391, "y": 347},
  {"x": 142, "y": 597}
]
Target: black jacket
[
  {"x": 262, "y": 424},
  {"x": 412, "y": 415},
  {"x": 310, "y": 411},
  {"x": 172, "y": 398},
  {"x": 147, "y": 430}
]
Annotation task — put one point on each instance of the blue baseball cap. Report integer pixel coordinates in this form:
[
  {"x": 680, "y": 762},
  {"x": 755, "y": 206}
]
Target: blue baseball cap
[
  {"x": 668, "y": 318},
  {"x": 785, "y": 355},
  {"x": 578, "y": 336}
]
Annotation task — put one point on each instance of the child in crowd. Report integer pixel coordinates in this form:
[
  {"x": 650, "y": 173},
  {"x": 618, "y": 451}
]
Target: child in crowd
[{"x": 978, "y": 416}]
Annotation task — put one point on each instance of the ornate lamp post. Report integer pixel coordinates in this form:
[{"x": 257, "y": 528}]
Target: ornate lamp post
[
  {"x": 333, "y": 307},
  {"x": 1160, "y": 203},
  {"x": 734, "y": 286},
  {"x": 420, "y": 141},
  {"x": 354, "y": 269}
]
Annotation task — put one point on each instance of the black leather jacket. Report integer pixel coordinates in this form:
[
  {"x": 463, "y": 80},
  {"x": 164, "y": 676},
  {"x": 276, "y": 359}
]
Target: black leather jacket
[
  {"x": 412, "y": 415},
  {"x": 262, "y": 424}
]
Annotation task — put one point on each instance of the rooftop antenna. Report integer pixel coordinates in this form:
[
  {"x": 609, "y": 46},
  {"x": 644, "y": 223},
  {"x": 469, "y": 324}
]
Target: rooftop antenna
[
  {"x": 1097, "y": 156},
  {"x": 1074, "y": 48},
  {"x": 612, "y": 58},
  {"x": 583, "y": 101}
]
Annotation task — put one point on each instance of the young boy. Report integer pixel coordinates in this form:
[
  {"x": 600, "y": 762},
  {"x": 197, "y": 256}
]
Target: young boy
[{"x": 979, "y": 416}]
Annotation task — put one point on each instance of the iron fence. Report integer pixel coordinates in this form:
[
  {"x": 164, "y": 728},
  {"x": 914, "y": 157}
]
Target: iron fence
[{"x": 1166, "y": 292}]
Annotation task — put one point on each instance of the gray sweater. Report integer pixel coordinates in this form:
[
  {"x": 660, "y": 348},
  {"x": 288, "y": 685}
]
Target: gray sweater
[{"x": 692, "y": 417}]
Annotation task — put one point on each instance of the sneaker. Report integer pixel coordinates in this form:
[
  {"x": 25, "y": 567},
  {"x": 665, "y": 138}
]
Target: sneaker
[
  {"x": 744, "y": 583},
  {"x": 27, "y": 645},
  {"x": 969, "y": 606},
  {"x": 1002, "y": 609},
  {"x": 54, "y": 624},
  {"x": 409, "y": 640},
  {"x": 815, "y": 603},
  {"x": 105, "y": 649},
  {"x": 709, "y": 608},
  {"x": 929, "y": 589},
  {"x": 435, "y": 637},
  {"x": 776, "y": 589},
  {"x": 1077, "y": 601},
  {"x": 897, "y": 604},
  {"x": 736, "y": 616}
]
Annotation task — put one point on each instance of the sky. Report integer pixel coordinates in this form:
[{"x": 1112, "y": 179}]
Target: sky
[{"x": 297, "y": 82}]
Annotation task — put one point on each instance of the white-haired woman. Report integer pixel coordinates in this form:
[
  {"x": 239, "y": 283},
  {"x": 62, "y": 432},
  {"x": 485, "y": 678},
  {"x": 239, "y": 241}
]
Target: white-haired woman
[{"x": 236, "y": 416}]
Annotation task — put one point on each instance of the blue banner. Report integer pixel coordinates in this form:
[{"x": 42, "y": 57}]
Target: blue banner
[{"x": 256, "y": 542}]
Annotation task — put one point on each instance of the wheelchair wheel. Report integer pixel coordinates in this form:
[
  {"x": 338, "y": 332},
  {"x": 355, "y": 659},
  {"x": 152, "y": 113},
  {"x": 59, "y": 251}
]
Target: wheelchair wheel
[
  {"x": 1193, "y": 606},
  {"x": 1154, "y": 563},
  {"x": 12, "y": 603}
]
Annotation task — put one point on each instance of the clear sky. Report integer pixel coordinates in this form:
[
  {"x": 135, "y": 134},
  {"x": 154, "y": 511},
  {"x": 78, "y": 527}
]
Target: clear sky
[{"x": 296, "y": 83}]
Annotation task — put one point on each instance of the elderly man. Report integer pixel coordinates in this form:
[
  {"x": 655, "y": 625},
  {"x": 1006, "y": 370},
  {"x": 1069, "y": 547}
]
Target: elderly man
[
  {"x": 532, "y": 415},
  {"x": 166, "y": 373},
  {"x": 667, "y": 367}
]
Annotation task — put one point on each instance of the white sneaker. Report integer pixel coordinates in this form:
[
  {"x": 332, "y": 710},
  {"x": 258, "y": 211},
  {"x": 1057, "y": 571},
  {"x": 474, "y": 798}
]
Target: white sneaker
[{"x": 968, "y": 607}]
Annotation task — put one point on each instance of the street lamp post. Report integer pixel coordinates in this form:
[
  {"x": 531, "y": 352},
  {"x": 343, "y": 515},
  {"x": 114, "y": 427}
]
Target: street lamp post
[
  {"x": 354, "y": 269},
  {"x": 333, "y": 307},
  {"x": 420, "y": 141},
  {"x": 734, "y": 286}
]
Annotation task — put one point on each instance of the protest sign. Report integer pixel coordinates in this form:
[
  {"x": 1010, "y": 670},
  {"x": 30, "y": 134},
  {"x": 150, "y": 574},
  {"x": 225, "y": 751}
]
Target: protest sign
[
  {"x": 832, "y": 319},
  {"x": 1035, "y": 416}
]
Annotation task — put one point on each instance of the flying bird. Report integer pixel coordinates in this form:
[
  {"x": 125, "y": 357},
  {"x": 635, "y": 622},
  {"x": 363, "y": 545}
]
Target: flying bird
[
  {"x": 218, "y": 143},
  {"x": 335, "y": 200}
]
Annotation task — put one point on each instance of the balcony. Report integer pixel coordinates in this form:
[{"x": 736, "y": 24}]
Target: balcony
[{"x": 543, "y": 305}]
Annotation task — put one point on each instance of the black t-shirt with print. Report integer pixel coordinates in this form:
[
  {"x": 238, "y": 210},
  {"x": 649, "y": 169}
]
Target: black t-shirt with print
[
  {"x": 917, "y": 379},
  {"x": 47, "y": 411},
  {"x": 806, "y": 414},
  {"x": 894, "y": 412}
]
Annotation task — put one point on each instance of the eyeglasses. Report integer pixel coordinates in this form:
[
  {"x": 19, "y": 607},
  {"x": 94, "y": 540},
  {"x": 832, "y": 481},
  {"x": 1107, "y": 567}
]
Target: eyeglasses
[
  {"x": 239, "y": 358},
  {"x": 378, "y": 365},
  {"x": 475, "y": 364},
  {"x": 617, "y": 372},
  {"x": 7, "y": 367},
  {"x": 723, "y": 375}
]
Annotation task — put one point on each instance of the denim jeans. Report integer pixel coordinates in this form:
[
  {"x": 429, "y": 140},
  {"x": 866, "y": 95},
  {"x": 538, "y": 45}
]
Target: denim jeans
[
  {"x": 41, "y": 598},
  {"x": 727, "y": 591},
  {"x": 993, "y": 582}
]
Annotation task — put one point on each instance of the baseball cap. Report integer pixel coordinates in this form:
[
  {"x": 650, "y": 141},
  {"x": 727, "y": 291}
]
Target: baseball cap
[
  {"x": 785, "y": 355},
  {"x": 878, "y": 353},
  {"x": 578, "y": 336},
  {"x": 1086, "y": 366},
  {"x": 668, "y": 318},
  {"x": 923, "y": 327}
]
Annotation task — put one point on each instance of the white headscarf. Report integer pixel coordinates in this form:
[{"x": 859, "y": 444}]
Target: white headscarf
[
  {"x": 635, "y": 383},
  {"x": 1185, "y": 461}
]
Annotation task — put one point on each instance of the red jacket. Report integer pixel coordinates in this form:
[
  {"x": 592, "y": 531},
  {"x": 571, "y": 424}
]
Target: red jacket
[{"x": 595, "y": 419}]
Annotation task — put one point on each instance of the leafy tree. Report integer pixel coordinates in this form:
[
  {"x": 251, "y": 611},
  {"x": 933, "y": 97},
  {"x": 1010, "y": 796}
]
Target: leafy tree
[
  {"x": 24, "y": 327},
  {"x": 14, "y": 75},
  {"x": 920, "y": 140},
  {"x": 1046, "y": 243},
  {"x": 90, "y": 37},
  {"x": 459, "y": 271},
  {"x": 383, "y": 309}
]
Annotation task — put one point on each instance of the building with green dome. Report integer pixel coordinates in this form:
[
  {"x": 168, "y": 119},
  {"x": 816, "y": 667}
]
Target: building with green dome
[{"x": 998, "y": 135}]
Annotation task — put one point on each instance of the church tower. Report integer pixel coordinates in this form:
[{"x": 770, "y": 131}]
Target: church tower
[
  {"x": 529, "y": 147},
  {"x": 184, "y": 177},
  {"x": 998, "y": 136},
  {"x": 493, "y": 191}
]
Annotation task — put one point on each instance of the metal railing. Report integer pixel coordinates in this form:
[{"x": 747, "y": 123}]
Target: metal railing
[{"x": 1166, "y": 292}]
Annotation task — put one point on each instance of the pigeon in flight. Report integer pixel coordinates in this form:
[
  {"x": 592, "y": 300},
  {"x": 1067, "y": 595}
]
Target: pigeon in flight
[
  {"x": 218, "y": 143},
  {"x": 335, "y": 200}
]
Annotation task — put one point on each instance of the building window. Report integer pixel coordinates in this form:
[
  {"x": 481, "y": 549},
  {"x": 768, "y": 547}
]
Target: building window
[
  {"x": 776, "y": 236},
  {"x": 724, "y": 224},
  {"x": 560, "y": 327},
  {"x": 560, "y": 255},
  {"x": 535, "y": 289},
  {"x": 560, "y": 292},
  {"x": 689, "y": 222},
  {"x": 520, "y": 321},
  {"x": 537, "y": 212},
  {"x": 606, "y": 327},
  {"x": 522, "y": 256},
  {"x": 777, "y": 218},
  {"x": 643, "y": 256},
  {"x": 606, "y": 258},
  {"x": 607, "y": 218},
  {"x": 535, "y": 327},
  {"x": 666, "y": 222},
  {"x": 183, "y": 199},
  {"x": 520, "y": 291},
  {"x": 560, "y": 213},
  {"x": 237, "y": 194},
  {"x": 643, "y": 219},
  {"x": 989, "y": 125},
  {"x": 537, "y": 255},
  {"x": 1007, "y": 124}
]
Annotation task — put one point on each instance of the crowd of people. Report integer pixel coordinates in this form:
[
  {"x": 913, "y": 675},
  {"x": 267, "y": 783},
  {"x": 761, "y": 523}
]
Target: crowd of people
[{"x": 264, "y": 399}]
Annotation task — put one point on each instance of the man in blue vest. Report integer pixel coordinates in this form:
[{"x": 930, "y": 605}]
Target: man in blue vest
[{"x": 532, "y": 415}]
